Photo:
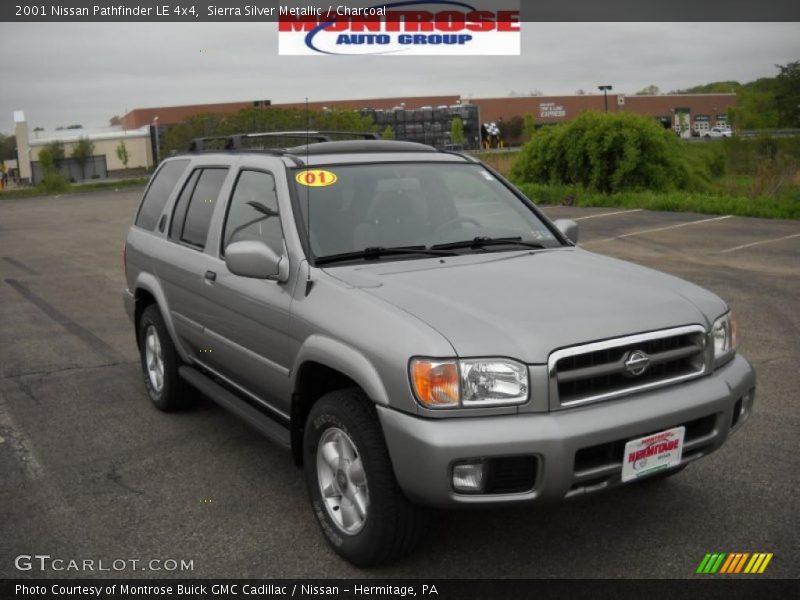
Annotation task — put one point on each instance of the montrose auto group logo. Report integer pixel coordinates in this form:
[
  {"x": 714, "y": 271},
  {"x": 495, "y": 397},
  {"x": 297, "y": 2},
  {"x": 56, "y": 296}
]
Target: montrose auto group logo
[{"x": 402, "y": 28}]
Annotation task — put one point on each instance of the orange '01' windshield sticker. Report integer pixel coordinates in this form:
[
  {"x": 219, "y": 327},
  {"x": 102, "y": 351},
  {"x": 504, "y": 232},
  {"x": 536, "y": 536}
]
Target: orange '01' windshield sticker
[{"x": 316, "y": 178}]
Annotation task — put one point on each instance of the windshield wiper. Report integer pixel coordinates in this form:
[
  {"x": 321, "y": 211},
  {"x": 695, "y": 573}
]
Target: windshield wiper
[
  {"x": 480, "y": 242},
  {"x": 262, "y": 208},
  {"x": 378, "y": 251}
]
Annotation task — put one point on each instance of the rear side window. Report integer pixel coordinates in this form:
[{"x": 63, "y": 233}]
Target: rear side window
[
  {"x": 195, "y": 206},
  {"x": 158, "y": 193}
]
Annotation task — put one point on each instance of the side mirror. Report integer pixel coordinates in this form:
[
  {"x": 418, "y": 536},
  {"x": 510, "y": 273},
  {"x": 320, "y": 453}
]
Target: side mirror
[
  {"x": 569, "y": 228},
  {"x": 256, "y": 260}
]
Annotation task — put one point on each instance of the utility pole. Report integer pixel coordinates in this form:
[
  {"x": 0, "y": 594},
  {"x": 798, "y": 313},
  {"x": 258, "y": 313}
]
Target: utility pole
[{"x": 158, "y": 144}]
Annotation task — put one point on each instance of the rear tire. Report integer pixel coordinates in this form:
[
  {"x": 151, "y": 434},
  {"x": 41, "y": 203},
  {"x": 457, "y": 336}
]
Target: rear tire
[
  {"x": 355, "y": 497},
  {"x": 160, "y": 362}
]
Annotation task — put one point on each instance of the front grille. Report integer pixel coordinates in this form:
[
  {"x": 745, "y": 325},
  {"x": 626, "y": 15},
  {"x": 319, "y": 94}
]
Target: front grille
[
  {"x": 604, "y": 370},
  {"x": 510, "y": 474}
]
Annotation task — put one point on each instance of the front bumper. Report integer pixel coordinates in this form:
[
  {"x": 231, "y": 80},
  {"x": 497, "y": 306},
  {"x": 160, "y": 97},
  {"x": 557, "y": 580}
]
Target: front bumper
[{"x": 423, "y": 450}]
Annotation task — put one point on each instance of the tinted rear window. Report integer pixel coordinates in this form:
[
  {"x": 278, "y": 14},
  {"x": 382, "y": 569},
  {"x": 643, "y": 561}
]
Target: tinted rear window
[{"x": 158, "y": 193}]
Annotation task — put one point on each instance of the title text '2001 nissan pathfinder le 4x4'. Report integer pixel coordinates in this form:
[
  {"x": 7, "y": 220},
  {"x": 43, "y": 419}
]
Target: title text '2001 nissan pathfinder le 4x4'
[{"x": 419, "y": 333}]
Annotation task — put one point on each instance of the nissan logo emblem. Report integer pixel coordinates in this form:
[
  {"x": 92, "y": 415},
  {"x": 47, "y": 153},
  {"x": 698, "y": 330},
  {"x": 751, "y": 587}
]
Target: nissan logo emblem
[{"x": 636, "y": 363}]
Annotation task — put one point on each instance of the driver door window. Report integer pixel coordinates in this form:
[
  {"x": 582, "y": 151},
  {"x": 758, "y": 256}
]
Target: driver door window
[{"x": 253, "y": 212}]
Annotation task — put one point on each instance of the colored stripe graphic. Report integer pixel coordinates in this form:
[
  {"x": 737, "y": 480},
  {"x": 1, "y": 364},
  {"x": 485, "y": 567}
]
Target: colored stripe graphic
[
  {"x": 711, "y": 563},
  {"x": 703, "y": 563},
  {"x": 765, "y": 563},
  {"x": 754, "y": 562},
  {"x": 717, "y": 564},
  {"x": 737, "y": 562},
  {"x": 727, "y": 564},
  {"x": 741, "y": 562},
  {"x": 734, "y": 563}
]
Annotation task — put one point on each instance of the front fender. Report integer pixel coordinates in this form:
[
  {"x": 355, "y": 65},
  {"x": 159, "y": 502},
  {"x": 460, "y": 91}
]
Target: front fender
[{"x": 345, "y": 359}]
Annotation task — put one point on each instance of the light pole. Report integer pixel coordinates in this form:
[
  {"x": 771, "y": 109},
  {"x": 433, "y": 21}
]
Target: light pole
[
  {"x": 605, "y": 89},
  {"x": 158, "y": 144}
]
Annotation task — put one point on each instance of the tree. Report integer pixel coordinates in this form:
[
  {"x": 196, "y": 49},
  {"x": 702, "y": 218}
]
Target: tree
[
  {"x": 82, "y": 152},
  {"x": 52, "y": 180},
  {"x": 251, "y": 120},
  {"x": 388, "y": 134},
  {"x": 457, "y": 131},
  {"x": 122, "y": 153},
  {"x": 787, "y": 94},
  {"x": 650, "y": 90},
  {"x": 754, "y": 110},
  {"x": 580, "y": 92},
  {"x": 56, "y": 150},
  {"x": 8, "y": 147},
  {"x": 529, "y": 127},
  {"x": 513, "y": 129}
]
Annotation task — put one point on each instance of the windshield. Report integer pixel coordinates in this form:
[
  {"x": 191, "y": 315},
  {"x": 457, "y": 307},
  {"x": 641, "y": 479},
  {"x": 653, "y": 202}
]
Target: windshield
[{"x": 358, "y": 207}]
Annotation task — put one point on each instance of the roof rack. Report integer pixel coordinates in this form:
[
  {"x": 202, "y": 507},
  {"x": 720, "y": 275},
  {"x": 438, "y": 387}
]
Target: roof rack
[
  {"x": 359, "y": 147},
  {"x": 234, "y": 142}
]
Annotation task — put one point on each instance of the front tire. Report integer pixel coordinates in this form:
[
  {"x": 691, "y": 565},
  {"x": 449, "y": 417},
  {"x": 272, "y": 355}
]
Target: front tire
[
  {"x": 160, "y": 362},
  {"x": 360, "y": 508}
]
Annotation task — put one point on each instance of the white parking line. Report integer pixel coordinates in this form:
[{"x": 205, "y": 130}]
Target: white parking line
[
  {"x": 619, "y": 212},
  {"x": 769, "y": 241},
  {"x": 643, "y": 231}
]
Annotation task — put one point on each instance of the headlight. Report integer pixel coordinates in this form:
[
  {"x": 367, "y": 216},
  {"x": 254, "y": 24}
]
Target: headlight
[
  {"x": 723, "y": 334},
  {"x": 469, "y": 382}
]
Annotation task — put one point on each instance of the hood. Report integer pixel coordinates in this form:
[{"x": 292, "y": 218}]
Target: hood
[{"x": 525, "y": 305}]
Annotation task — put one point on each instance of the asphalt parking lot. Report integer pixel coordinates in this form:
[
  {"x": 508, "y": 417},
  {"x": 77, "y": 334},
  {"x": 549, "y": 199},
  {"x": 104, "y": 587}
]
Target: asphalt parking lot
[{"x": 90, "y": 471}]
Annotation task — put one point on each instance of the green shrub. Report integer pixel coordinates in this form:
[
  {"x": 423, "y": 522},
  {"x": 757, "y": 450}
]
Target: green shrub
[
  {"x": 607, "y": 153},
  {"x": 53, "y": 182}
]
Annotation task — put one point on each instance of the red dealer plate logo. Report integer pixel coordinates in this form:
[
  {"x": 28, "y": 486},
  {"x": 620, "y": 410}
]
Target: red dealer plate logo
[{"x": 653, "y": 453}]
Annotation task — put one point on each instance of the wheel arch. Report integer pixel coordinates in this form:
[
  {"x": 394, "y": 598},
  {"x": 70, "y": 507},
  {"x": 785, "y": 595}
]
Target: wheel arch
[
  {"x": 324, "y": 365},
  {"x": 146, "y": 291}
]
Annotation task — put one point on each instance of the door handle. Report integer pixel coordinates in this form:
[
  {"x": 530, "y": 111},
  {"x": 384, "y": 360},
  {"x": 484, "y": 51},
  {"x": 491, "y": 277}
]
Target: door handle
[{"x": 210, "y": 276}]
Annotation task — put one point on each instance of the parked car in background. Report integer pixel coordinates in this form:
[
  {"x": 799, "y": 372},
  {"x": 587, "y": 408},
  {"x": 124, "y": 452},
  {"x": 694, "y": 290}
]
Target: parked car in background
[{"x": 718, "y": 132}]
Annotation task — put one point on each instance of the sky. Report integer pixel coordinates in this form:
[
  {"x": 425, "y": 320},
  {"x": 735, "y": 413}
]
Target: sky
[{"x": 88, "y": 72}]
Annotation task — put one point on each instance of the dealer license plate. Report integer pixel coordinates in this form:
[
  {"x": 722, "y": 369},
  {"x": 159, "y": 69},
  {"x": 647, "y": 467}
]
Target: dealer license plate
[{"x": 653, "y": 453}]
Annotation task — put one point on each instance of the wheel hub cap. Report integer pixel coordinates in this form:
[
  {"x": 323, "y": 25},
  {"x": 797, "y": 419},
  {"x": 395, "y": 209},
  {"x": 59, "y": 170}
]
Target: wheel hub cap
[
  {"x": 342, "y": 481},
  {"x": 154, "y": 361}
]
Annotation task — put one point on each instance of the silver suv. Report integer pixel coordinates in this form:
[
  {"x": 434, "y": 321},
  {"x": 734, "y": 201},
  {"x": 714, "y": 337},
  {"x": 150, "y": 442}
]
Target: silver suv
[{"x": 418, "y": 333}]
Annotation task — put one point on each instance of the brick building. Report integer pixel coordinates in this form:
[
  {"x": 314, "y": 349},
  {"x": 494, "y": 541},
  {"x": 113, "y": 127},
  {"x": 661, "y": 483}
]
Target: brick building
[
  {"x": 697, "y": 112},
  {"x": 687, "y": 114}
]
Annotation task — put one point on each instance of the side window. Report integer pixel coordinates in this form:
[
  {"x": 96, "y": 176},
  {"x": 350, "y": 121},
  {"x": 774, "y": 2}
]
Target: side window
[
  {"x": 158, "y": 193},
  {"x": 253, "y": 212},
  {"x": 181, "y": 204},
  {"x": 195, "y": 206}
]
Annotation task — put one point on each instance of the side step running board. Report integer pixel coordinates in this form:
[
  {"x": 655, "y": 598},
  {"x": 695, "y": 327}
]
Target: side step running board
[{"x": 265, "y": 425}]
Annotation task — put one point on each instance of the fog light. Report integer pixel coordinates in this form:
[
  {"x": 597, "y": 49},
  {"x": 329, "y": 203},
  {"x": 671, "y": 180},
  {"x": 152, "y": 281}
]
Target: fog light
[
  {"x": 747, "y": 404},
  {"x": 468, "y": 477},
  {"x": 742, "y": 409}
]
